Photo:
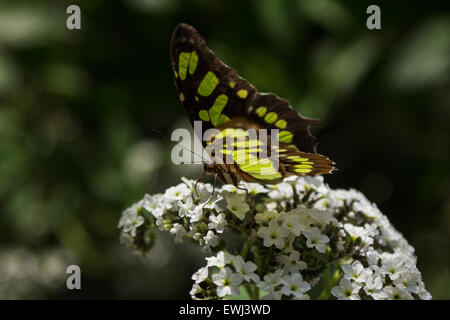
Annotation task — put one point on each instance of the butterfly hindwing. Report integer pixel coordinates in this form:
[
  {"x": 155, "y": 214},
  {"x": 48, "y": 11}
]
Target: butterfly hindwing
[
  {"x": 256, "y": 159},
  {"x": 273, "y": 112},
  {"x": 294, "y": 162}
]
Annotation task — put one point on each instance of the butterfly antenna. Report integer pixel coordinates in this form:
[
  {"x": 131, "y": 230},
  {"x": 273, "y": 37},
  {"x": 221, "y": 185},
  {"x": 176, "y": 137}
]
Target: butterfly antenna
[{"x": 167, "y": 138}]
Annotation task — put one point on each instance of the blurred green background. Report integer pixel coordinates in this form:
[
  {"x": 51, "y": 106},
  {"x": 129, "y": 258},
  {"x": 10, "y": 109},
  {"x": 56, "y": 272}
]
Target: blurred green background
[{"x": 77, "y": 109}]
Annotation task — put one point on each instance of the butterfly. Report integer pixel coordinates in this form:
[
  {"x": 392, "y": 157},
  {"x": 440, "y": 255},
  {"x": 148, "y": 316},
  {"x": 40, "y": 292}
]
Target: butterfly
[{"x": 214, "y": 93}]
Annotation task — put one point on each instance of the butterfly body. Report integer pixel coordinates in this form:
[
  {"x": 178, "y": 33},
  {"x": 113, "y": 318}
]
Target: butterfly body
[{"x": 214, "y": 93}]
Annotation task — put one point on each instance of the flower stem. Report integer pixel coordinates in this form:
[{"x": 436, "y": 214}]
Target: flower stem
[
  {"x": 245, "y": 248},
  {"x": 249, "y": 290},
  {"x": 327, "y": 289},
  {"x": 256, "y": 293},
  {"x": 252, "y": 291}
]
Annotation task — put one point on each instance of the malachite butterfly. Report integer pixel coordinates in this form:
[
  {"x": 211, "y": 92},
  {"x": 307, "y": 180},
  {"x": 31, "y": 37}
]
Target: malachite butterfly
[{"x": 214, "y": 93}]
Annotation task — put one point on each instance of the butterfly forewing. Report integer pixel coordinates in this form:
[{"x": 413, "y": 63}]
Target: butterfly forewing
[
  {"x": 210, "y": 91},
  {"x": 214, "y": 93}
]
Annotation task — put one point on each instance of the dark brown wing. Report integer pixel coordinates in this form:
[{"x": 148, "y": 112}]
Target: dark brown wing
[
  {"x": 192, "y": 82},
  {"x": 273, "y": 112},
  {"x": 213, "y": 92}
]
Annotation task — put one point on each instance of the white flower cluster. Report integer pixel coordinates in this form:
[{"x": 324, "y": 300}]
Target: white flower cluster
[
  {"x": 296, "y": 240},
  {"x": 225, "y": 274}
]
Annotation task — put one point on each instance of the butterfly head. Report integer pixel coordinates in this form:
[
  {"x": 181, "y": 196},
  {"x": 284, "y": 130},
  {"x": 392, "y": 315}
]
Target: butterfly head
[
  {"x": 210, "y": 168},
  {"x": 209, "y": 165}
]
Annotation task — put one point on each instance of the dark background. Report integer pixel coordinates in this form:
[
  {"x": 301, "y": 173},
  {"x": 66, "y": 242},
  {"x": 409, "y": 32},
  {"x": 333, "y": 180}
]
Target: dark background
[{"x": 77, "y": 109}]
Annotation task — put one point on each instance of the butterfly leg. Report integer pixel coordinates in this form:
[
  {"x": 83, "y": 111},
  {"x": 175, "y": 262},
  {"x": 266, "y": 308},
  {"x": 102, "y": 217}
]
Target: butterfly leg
[
  {"x": 215, "y": 182},
  {"x": 198, "y": 180},
  {"x": 245, "y": 189},
  {"x": 213, "y": 191}
]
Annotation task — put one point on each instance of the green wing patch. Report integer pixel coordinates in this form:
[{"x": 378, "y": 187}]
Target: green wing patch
[{"x": 213, "y": 92}]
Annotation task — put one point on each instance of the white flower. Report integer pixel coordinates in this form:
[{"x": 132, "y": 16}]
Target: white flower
[
  {"x": 368, "y": 209},
  {"x": 185, "y": 207},
  {"x": 202, "y": 192},
  {"x": 292, "y": 180},
  {"x": 200, "y": 275},
  {"x": 179, "y": 192},
  {"x": 409, "y": 281},
  {"x": 294, "y": 285},
  {"x": 348, "y": 196},
  {"x": 372, "y": 256},
  {"x": 321, "y": 217},
  {"x": 227, "y": 282},
  {"x": 196, "y": 213},
  {"x": 393, "y": 293},
  {"x": 271, "y": 281},
  {"x": 293, "y": 222},
  {"x": 211, "y": 240},
  {"x": 376, "y": 271},
  {"x": 366, "y": 233},
  {"x": 281, "y": 191},
  {"x": 155, "y": 204},
  {"x": 195, "y": 289},
  {"x": 190, "y": 183},
  {"x": 203, "y": 195},
  {"x": 371, "y": 231},
  {"x": 315, "y": 183},
  {"x": 190, "y": 210},
  {"x": 316, "y": 239},
  {"x": 217, "y": 222},
  {"x": 270, "y": 206},
  {"x": 130, "y": 219},
  {"x": 230, "y": 188},
  {"x": 233, "y": 260},
  {"x": 373, "y": 286},
  {"x": 255, "y": 188},
  {"x": 346, "y": 290},
  {"x": 236, "y": 205},
  {"x": 423, "y": 293},
  {"x": 392, "y": 265},
  {"x": 274, "y": 234},
  {"x": 291, "y": 262},
  {"x": 247, "y": 270},
  {"x": 179, "y": 232},
  {"x": 218, "y": 261},
  {"x": 356, "y": 272}
]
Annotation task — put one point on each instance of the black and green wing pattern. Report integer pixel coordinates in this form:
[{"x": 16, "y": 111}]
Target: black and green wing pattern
[
  {"x": 215, "y": 94},
  {"x": 209, "y": 90}
]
